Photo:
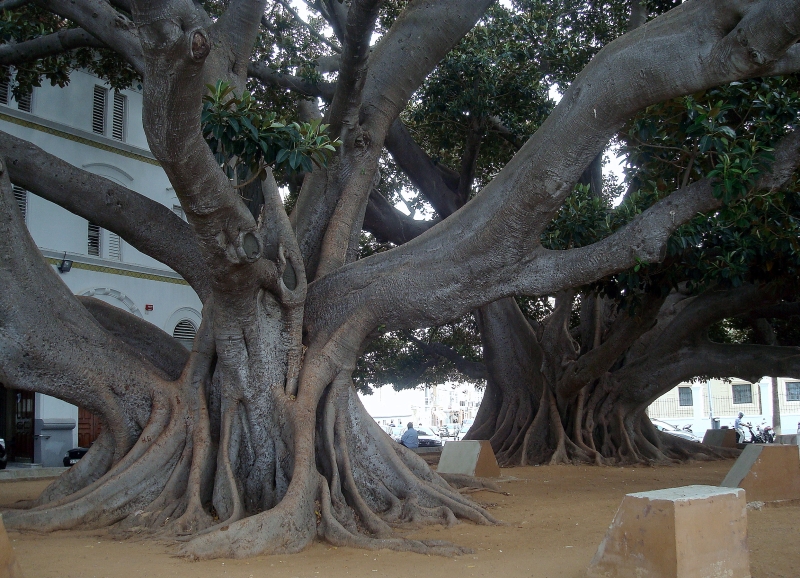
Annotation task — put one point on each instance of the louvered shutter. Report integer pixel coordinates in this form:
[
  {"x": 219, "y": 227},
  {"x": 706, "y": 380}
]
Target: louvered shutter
[
  {"x": 114, "y": 247},
  {"x": 118, "y": 117},
  {"x": 184, "y": 332},
  {"x": 93, "y": 245},
  {"x": 21, "y": 196},
  {"x": 25, "y": 103},
  {"x": 99, "y": 110}
]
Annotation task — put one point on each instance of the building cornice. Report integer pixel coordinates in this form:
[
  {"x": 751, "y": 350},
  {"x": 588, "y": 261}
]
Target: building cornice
[
  {"x": 30, "y": 121},
  {"x": 99, "y": 265}
]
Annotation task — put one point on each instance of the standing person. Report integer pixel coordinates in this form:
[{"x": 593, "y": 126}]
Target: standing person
[
  {"x": 410, "y": 438},
  {"x": 737, "y": 425}
]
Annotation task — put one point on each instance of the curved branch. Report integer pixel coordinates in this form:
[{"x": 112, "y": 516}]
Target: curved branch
[
  {"x": 388, "y": 224},
  {"x": 333, "y": 46},
  {"x": 438, "y": 186},
  {"x": 52, "y": 44},
  {"x": 471, "y": 256},
  {"x": 346, "y": 102},
  {"x": 265, "y": 74},
  {"x": 148, "y": 226},
  {"x": 102, "y": 21},
  {"x": 12, "y": 4}
]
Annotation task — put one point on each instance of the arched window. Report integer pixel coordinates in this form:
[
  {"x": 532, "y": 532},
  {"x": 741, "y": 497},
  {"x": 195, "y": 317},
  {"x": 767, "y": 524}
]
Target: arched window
[{"x": 184, "y": 332}]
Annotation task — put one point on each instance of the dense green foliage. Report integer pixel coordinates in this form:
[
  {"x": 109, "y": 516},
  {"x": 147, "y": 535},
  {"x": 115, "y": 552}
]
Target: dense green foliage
[{"x": 245, "y": 138}]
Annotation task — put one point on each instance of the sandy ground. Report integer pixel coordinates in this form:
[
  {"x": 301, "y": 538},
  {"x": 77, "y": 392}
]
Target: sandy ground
[{"x": 555, "y": 518}]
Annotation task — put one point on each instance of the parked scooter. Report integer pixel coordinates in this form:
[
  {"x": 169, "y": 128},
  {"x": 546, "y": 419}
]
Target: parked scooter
[
  {"x": 767, "y": 433},
  {"x": 755, "y": 437}
]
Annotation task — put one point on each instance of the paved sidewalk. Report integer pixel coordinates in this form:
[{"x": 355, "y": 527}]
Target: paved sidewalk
[{"x": 15, "y": 473}]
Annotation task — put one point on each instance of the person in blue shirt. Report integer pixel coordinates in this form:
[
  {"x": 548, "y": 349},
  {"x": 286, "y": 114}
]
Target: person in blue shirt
[{"x": 410, "y": 438}]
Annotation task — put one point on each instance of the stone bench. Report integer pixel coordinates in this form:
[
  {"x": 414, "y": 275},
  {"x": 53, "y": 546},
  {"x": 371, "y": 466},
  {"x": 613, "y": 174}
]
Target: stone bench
[{"x": 688, "y": 532}]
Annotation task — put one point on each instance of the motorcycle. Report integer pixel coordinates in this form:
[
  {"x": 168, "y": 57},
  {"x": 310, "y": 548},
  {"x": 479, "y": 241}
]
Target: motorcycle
[
  {"x": 767, "y": 433},
  {"x": 754, "y": 438}
]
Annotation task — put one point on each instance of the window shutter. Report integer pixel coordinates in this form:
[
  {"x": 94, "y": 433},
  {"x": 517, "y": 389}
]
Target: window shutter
[
  {"x": 99, "y": 110},
  {"x": 94, "y": 240},
  {"x": 118, "y": 117},
  {"x": 5, "y": 89},
  {"x": 184, "y": 332},
  {"x": 178, "y": 210},
  {"x": 114, "y": 247},
  {"x": 21, "y": 196},
  {"x": 24, "y": 103}
]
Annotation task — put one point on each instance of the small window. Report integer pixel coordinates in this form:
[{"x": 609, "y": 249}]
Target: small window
[
  {"x": 742, "y": 393},
  {"x": 21, "y": 196},
  {"x": 118, "y": 117},
  {"x": 184, "y": 332},
  {"x": 25, "y": 102},
  {"x": 793, "y": 391},
  {"x": 94, "y": 240},
  {"x": 114, "y": 247},
  {"x": 685, "y": 396},
  {"x": 99, "y": 110}
]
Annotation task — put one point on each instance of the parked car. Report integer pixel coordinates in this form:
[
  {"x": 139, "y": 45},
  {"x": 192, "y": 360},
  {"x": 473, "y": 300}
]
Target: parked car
[
  {"x": 674, "y": 430},
  {"x": 426, "y": 435},
  {"x": 465, "y": 425},
  {"x": 73, "y": 456},
  {"x": 3, "y": 454}
]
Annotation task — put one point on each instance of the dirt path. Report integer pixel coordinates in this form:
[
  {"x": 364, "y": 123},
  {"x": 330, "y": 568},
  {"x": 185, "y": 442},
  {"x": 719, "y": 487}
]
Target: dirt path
[{"x": 556, "y": 517}]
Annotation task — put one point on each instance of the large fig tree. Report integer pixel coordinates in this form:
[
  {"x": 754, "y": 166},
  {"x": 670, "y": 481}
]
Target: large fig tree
[{"x": 257, "y": 442}]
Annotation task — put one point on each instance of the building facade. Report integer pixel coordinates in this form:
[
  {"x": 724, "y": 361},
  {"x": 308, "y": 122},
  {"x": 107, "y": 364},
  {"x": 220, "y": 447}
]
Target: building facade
[
  {"x": 100, "y": 131},
  {"x": 716, "y": 403}
]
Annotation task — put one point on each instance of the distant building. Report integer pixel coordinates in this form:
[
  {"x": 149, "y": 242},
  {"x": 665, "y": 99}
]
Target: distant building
[
  {"x": 98, "y": 130},
  {"x": 701, "y": 403}
]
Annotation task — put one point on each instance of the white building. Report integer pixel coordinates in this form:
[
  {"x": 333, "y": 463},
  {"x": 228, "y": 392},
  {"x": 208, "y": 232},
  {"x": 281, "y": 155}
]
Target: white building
[
  {"x": 716, "y": 403},
  {"x": 98, "y": 130}
]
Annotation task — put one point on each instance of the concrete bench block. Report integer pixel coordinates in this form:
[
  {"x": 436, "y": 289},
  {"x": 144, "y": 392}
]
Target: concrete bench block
[
  {"x": 768, "y": 473},
  {"x": 471, "y": 458},
  {"x": 688, "y": 532},
  {"x": 9, "y": 567},
  {"x": 787, "y": 439},
  {"x": 721, "y": 438}
]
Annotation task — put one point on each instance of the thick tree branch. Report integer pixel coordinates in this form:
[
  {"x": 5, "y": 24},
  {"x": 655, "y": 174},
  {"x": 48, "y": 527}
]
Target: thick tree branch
[
  {"x": 50, "y": 45},
  {"x": 423, "y": 34},
  {"x": 436, "y": 185},
  {"x": 333, "y": 46},
  {"x": 148, "y": 226},
  {"x": 12, "y": 4},
  {"x": 388, "y": 224},
  {"x": 102, "y": 21},
  {"x": 265, "y": 74},
  {"x": 626, "y": 329},
  {"x": 239, "y": 24},
  {"x": 495, "y": 237},
  {"x": 346, "y": 103}
]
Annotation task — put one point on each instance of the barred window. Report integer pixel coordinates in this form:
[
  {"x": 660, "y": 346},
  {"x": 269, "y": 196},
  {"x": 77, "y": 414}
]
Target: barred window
[
  {"x": 114, "y": 247},
  {"x": 793, "y": 391},
  {"x": 685, "y": 396},
  {"x": 742, "y": 393}
]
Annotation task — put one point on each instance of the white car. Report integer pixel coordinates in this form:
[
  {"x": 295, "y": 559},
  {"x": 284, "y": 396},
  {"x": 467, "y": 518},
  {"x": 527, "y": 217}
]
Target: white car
[
  {"x": 674, "y": 430},
  {"x": 465, "y": 425}
]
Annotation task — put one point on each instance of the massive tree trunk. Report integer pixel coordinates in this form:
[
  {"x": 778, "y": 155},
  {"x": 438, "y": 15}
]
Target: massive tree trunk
[
  {"x": 585, "y": 402},
  {"x": 260, "y": 444}
]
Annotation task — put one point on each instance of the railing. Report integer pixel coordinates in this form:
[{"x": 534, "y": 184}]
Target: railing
[
  {"x": 669, "y": 407},
  {"x": 724, "y": 406}
]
